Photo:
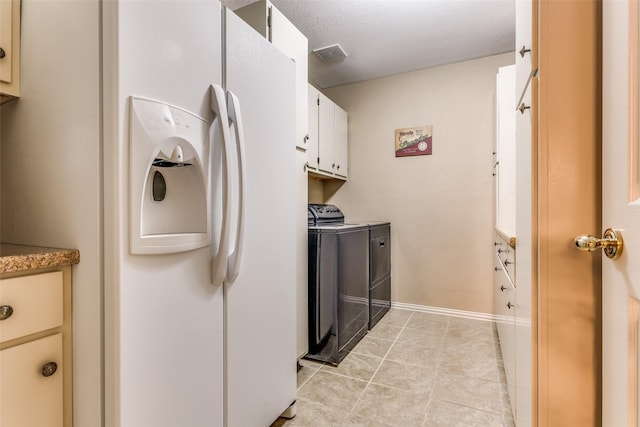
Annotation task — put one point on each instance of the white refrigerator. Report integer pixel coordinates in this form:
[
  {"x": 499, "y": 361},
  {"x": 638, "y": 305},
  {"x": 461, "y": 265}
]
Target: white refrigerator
[{"x": 204, "y": 336}]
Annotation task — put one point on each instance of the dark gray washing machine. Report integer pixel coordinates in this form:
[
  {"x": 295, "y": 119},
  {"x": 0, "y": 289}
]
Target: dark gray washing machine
[{"x": 338, "y": 283}]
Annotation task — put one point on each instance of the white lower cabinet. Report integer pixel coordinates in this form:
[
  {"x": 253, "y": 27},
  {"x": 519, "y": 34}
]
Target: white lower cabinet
[
  {"x": 36, "y": 347},
  {"x": 31, "y": 386},
  {"x": 505, "y": 295}
]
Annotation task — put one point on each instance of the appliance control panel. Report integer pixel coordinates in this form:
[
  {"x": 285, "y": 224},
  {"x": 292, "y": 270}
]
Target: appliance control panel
[{"x": 325, "y": 213}]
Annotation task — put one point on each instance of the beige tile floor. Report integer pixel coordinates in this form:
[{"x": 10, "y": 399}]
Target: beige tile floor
[{"x": 412, "y": 369}]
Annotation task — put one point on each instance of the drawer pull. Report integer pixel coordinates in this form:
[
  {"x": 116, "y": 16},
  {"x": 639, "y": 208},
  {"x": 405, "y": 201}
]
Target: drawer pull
[
  {"x": 5, "y": 312},
  {"x": 49, "y": 369}
]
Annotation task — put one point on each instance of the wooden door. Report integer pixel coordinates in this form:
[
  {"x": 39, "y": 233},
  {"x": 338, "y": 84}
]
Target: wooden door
[{"x": 566, "y": 163}]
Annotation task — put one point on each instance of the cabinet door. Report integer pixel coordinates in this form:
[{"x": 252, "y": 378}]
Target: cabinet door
[
  {"x": 286, "y": 37},
  {"x": 27, "y": 396},
  {"x": 506, "y": 325},
  {"x": 524, "y": 42},
  {"x": 326, "y": 137},
  {"x": 6, "y": 32},
  {"x": 312, "y": 143},
  {"x": 301, "y": 255},
  {"x": 10, "y": 43},
  {"x": 525, "y": 269},
  {"x": 341, "y": 137}
]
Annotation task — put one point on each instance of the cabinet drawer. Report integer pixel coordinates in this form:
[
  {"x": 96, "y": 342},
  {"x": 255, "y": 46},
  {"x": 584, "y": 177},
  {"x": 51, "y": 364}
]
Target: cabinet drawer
[
  {"x": 35, "y": 301},
  {"x": 506, "y": 255},
  {"x": 28, "y": 397}
]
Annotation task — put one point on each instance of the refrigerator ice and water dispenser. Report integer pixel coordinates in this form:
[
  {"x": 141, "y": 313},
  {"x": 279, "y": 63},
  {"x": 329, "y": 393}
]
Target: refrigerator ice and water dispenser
[{"x": 169, "y": 158}]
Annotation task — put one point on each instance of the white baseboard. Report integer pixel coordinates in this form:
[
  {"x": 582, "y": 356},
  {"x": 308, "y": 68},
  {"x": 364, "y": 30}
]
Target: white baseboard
[{"x": 445, "y": 311}]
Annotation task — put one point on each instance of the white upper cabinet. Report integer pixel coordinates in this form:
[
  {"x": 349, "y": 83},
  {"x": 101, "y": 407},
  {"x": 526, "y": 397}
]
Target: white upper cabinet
[
  {"x": 275, "y": 27},
  {"x": 341, "y": 155},
  {"x": 327, "y": 153},
  {"x": 505, "y": 165},
  {"x": 326, "y": 110},
  {"x": 9, "y": 49},
  {"x": 313, "y": 114},
  {"x": 524, "y": 43}
]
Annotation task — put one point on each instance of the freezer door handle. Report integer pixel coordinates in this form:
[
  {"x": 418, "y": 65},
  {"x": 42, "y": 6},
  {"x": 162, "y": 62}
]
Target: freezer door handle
[
  {"x": 219, "y": 109},
  {"x": 235, "y": 119}
]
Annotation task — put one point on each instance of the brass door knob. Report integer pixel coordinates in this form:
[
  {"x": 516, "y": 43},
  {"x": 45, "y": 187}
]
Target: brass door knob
[{"x": 611, "y": 243}]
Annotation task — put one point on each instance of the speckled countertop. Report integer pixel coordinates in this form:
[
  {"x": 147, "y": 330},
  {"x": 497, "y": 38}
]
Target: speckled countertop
[{"x": 22, "y": 258}]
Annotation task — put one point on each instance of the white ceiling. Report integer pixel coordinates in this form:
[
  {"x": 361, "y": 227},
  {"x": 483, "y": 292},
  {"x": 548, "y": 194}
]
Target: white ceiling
[{"x": 387, "y": 37}]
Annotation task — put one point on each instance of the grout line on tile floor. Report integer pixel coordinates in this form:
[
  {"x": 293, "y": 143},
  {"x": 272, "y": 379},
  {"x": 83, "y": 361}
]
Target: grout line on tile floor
[
  {"x": 438, "y": 372},
  {"x": 378, "y": 368},
  {"x": 316, "y": 370}
]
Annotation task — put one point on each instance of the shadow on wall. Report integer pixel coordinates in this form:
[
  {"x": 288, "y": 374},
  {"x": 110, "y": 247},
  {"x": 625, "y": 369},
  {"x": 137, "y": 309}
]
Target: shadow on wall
[
  {"x": 321, "y": 190},
  {"x": 331, "y": 187}
]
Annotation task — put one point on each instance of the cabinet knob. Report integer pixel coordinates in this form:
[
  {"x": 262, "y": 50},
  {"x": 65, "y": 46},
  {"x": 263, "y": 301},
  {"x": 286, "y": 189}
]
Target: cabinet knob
[
  {"x": 508, "y": 262},
  {"x": 333, "y": 165},
  {"x": 509, "y": 305},
  {"x": 338, "y": 166},
  {"x": 523, "y": 107},
  {"x": 497, "y": 268},
  {"x": 523, "y": 51},
  {"x": 49, "y": 369},
  {"x": 502, "y": 288},
  {"x": 306, "y": 165},
  {"x": 306, "y": 138},
  {"x": 2, "y": 53},
  {"x": 5, "y": 312}
]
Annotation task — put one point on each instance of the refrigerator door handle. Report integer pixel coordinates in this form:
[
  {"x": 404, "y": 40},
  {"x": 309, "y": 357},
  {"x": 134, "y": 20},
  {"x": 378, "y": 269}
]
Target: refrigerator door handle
[
  {"x": 219, "y": 108},
  {"x": 235, "y": 118}
]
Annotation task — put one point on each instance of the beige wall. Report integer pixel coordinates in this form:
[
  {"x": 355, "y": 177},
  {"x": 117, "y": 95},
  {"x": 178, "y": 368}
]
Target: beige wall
[
  {"x": 51, "y": 170},
  {"x": 441, "y": 206}
]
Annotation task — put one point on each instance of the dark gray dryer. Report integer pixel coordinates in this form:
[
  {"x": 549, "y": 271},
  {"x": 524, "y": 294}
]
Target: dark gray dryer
[{"x": 379, "y": 271}]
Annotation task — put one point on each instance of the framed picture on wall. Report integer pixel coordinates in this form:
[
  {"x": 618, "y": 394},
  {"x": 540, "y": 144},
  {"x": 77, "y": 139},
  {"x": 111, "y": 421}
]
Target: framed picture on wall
[{"x": 415, "y": 141}]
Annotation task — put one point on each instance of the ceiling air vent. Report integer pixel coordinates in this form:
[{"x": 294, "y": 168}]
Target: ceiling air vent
[{"x": 330, "y": 53}]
